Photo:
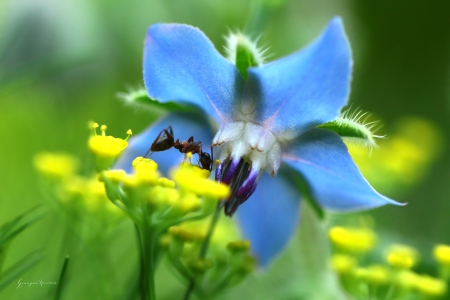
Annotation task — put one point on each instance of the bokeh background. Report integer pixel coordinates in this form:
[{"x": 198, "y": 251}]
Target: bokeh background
[{"x": 62, "y": 64}]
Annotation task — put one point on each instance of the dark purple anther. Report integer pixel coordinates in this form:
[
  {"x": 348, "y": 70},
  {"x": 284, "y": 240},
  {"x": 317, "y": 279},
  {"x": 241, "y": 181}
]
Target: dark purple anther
[
  {"x": 250, "y": 192},
  {"x": 248, "y": 184},
  {"x": 219, "y": 170},
  {"x": 233, "y": 166},
  {"x": 241, "y": 179}
]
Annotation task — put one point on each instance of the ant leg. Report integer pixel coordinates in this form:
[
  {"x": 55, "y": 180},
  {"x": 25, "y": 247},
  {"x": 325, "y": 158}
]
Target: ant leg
[
  {"x": 212, "y": 160},
  {"x": 157, "y": 138}
]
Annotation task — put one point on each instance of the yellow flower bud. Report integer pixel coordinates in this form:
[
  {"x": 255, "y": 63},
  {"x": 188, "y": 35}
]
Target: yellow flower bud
[
  {"x": 375, "y": 274},
  {"x": 402, "y": 256},
  {"x": 406, "y": 279},
  {"x": 115, "y": 176},
  {"x": 200, "y": 266},
  {"x": 431, "y": 286},
  {"x": 353, "y": 239},
  {"x": 442, "y": 254},
  {"x": 239, "y": 246},
  {"x": 343, "y": 264},
  {"x": 194, "y": 179},
  {"x": 54, "y": 165}
]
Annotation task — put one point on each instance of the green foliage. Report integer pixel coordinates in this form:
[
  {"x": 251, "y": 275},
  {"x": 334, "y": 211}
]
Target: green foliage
[{"x": 8, "y": 232}]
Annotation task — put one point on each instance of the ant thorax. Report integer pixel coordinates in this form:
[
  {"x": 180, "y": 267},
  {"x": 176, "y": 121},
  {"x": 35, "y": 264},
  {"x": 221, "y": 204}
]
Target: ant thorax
[{"x": 165, "y": 140}]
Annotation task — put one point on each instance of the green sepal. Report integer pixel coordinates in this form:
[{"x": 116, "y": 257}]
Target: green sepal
[
  {"x": 244, "y": 59},
  {"x": 352, "y": 128},
  {"x": 140, "y": 97},
  {"x": 243, "y": 52},
  {"x": 345, "y": 130}
]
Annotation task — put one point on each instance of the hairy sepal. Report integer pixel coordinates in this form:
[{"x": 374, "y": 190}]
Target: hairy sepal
[
  {"x": 354, "y": 129},
  {"x": 139, "y": 97},
  {"x": 243, "y": 52}
]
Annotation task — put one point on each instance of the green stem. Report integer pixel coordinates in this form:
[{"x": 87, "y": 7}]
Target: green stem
[
  {"x": 147, "y": 241},
  {"x": 209, "y": 234},
  {"x": 141, "y": 285},
  {"x": 204, "y": 249},
  {"x": 62, "y": 278}
]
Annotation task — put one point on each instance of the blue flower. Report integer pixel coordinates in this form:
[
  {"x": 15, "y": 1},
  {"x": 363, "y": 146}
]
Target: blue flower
[{"x": 265, "y": 123}]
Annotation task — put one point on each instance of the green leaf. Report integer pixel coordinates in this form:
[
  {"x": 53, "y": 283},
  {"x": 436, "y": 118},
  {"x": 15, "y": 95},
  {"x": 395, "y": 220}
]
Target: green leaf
[
  {"x": 140, "y": 97},
  {"x": 11, "y": 229},
  {"x": 19, "y": 268}
]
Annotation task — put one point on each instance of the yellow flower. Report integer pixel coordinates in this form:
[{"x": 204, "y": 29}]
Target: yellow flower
[
  {"x": 194, "y": 179},
  {"x": 54, "y": 165},
  {"x": 442, "y": 254},
  {"x": 343, "y": 264},
  {"x": 106, "y": 148},
  {"x": 376, "y": 274},
  {"x": 431, "y": 286},
  {"x": 406, "y": 279},
  {"x": 358, "y": 240},
  {"x": 402, "y": 256}
]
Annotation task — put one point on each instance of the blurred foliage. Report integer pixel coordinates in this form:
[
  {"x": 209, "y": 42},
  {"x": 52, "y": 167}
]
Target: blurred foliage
[
  {"x": 402, "y": 158},
  {"x": 62, "y": 63},
  {"x": 389, "y": 272}
]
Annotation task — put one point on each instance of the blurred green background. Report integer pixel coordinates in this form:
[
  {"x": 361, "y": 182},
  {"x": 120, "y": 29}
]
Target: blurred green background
[{"x": 62, "y": 64}]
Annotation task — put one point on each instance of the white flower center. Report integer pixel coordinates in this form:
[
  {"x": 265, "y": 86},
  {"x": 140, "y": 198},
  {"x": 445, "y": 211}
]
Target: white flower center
[{"x": 242, "y": 139}]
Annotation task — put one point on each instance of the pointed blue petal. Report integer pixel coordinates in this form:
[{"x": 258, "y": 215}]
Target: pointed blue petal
[
  {"x": 322, "y": 158},
  {"x": 269, "y": 218},
  {"x": 184, "y": 125},
  {"x": 181, "y": 64},
  {"x": 304, "y": 89}
]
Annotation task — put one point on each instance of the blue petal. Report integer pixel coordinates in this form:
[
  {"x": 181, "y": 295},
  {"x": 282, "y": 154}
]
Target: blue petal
[
  {"x": 323, "y": 160},
  {"x": 181, "y": 64},
  {"x": 184, "y": 125},
  {"x": 269, "y": 218},
  {"x": 305, "y": 89}
]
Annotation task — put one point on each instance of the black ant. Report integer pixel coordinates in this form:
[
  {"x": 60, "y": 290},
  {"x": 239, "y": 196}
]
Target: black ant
[{"x": 164, "y": 141}]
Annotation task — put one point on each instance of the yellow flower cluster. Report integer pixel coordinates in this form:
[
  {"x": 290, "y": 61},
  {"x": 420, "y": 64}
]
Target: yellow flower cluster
[
  {"x": 106, "y": 148},
  {"x": 172, "y": 214},
  {"x": 81, "y": 199},
  {"x": 357, "y": 240},
  {"x": 145, "y": 192},
  {"x": 228, "y": 260},
  {"x": 396, "y": 277}
]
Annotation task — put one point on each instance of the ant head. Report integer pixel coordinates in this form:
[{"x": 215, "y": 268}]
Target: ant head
[{"x": 206, "y": 161}]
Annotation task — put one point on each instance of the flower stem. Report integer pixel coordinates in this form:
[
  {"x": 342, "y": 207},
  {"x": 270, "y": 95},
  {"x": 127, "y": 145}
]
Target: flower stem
[
  {"x": 204, "y": 249},
  {"x": 61, "y": 278},
  {"x": 147, "y": 241}
]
